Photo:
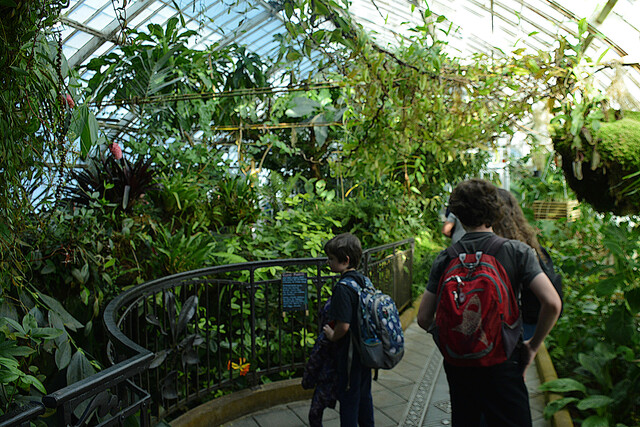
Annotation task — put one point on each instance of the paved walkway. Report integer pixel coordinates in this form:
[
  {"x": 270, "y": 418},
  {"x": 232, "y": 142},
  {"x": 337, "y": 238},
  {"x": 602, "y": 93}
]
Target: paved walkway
[{"x": 414, "y": 393}]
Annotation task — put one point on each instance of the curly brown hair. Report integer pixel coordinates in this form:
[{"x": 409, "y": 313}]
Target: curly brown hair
[
  {"x": 475, "y": 203},
  {"x": 513, "y": 225}
]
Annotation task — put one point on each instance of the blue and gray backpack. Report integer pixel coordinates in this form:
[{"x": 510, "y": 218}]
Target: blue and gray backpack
[{"x": 381, "y": 339}]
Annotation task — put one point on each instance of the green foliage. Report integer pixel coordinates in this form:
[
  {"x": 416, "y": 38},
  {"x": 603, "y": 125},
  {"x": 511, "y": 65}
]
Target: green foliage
[
  {"x": 171, "y": 88},
  {"x": 599, "y": 150},
  {"x": 428, "y": 244},
  {"x": 170, "y": 247},
  {"x": 596, "y": 343},
  {"x": 235, "y": 199},
  {"x": 411, "y": 121},
  {"x": 549, "y": 184},
  {"x": 20, "y": 342}
]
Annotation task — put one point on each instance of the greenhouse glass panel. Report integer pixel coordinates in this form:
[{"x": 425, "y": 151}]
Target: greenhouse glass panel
[
  {"x": 100, "y": 21},
  {"x": 82, "y": 13}
]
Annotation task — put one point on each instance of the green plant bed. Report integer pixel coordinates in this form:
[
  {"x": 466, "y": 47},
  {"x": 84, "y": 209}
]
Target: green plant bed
[{"x": 612, "y": 153}]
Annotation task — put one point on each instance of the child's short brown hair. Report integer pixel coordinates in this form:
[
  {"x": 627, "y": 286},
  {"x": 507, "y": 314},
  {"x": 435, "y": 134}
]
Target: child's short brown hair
[{"x": 345, "y": 245}]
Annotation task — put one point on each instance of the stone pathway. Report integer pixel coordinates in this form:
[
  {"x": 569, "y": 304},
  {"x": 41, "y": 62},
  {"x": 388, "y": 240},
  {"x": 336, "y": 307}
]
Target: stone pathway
[{"x": 414, "y": 393}]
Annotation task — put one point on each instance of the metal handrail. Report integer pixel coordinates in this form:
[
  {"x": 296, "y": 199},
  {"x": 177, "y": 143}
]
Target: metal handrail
[{"x": 128, "y": 386}]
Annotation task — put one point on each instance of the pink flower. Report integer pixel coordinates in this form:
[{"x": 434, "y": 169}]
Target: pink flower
[
  {"x": 115, "y": 150},
  {"x": 70, "y": 101},
  {"x": 67, "y": 100}
]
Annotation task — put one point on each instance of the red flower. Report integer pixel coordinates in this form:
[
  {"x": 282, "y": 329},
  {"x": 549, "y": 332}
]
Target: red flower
[{"x": 115, "y": 150}]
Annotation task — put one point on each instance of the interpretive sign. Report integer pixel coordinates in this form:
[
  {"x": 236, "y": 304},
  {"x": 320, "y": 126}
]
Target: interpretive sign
[{"x": 294, "y": 291}]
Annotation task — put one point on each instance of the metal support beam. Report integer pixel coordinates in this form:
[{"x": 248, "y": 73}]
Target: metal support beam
[
  {"x": 599, "y": 20},
  {"x": 108, "y": 34}
]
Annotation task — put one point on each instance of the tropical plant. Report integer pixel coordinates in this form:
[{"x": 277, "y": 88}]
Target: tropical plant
[
  {"x": 116, "y": 181},
  {"x": 181, "y": 349},
  {"x": 235, "y": 199},
  {"x": 596, "y": 342},
  {"x": 20, "y": 343},
  {"x": 170, "y": 88}
]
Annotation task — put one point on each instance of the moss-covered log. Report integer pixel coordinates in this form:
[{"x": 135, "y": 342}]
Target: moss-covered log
[{"x": 595, "y": 166}]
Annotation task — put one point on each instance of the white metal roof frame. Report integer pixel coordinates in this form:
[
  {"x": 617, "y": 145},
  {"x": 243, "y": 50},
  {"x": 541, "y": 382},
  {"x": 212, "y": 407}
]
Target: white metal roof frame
[{"x": 94, "y": 27}]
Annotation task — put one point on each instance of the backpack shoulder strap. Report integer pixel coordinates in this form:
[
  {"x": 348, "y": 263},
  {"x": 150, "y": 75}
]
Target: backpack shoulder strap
[
  {"x": 454, "y": 250},
  {"x": 357, "y": 282},
  {"x": 493, "y": 244},
  {"x": 349, "y": 282}
]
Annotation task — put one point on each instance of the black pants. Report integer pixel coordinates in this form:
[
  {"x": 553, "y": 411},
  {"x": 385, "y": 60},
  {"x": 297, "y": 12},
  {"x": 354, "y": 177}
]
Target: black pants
[
  {"x": 497, "y": 391},
  {"x": 354, "y": 395}
]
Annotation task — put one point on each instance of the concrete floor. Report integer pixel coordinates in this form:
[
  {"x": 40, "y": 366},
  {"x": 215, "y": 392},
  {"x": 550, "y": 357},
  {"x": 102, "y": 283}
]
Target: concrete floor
[{"x": 414, "y": 393}]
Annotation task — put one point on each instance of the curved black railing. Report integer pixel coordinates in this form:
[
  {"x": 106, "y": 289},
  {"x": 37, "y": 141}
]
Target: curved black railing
[{"x": 187, "y": 338}]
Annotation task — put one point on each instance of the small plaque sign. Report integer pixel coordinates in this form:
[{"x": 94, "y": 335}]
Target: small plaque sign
[{"x": 294, "y": 291}]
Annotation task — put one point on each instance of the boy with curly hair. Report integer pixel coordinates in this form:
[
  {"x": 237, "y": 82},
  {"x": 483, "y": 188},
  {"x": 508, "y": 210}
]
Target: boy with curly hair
[{"x": 495, "y": 393}]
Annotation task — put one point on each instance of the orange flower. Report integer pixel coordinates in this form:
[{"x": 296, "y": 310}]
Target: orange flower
[
  {"x": 242, "y": 366},
  {"x": 245, "y": 369}
]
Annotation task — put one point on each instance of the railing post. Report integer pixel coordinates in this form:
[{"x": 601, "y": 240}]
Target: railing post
[
  {"x": 252, "y": 285},
  {"x": 318, "y": 293},
  {"x": 367, "y": 262},
  {"x": 394, "y": 269}
]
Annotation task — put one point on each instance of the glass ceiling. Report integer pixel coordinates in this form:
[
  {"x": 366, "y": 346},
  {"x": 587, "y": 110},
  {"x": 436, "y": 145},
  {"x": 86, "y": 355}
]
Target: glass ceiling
[{"x": 91, "y": 28}]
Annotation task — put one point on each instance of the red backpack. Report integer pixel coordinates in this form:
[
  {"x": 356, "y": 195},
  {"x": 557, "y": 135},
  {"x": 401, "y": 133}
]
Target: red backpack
[{"x": 477, "y": 316}]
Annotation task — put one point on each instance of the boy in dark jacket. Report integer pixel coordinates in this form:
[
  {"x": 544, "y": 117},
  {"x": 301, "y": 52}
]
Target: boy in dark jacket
[{"x": 354, "y": 380}]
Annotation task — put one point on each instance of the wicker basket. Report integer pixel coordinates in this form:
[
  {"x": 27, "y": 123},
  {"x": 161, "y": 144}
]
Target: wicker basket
[{"x": 554, "y": 210}]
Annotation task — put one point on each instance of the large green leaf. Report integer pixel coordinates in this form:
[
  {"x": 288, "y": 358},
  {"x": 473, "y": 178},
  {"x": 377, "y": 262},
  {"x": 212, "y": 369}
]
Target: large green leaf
[
  {"x": 595, "y": 421},
  {"x": 302, "y": 106},
  {"x": 79, "y": 368},
  {"x": 596, "y": 365},
  {"x": 85, "y": 126},
  {"x": 63, "y": 355},
  {"x": 563, "y": 385},
  {"x": 557, "y": 405},
  {"x": 89, "y": 135},
  {"x": 620, "y": 326},
  {"x": 54, "y": 305},
  {"x": 10, "y": 348},
  {"x": 594, "y": 402},
  {"x": 31, "y": 380}
]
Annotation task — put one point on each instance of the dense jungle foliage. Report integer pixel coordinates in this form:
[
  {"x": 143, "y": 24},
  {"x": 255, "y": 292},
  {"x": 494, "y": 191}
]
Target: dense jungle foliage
[
  {"x": 595, "y": 344},
  {"x": 223, "y": 163}
]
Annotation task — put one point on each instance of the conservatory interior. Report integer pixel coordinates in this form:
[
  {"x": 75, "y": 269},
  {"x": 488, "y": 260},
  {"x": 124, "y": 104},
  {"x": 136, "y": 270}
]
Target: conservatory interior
[{"x": 171, "y": 172}]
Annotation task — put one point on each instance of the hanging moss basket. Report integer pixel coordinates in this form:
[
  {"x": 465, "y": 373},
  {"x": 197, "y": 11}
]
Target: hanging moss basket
[{"x": 595, "y": 167}]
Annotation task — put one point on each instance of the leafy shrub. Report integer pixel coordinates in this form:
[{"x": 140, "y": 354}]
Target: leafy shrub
[{"x": 596, "y": 343}]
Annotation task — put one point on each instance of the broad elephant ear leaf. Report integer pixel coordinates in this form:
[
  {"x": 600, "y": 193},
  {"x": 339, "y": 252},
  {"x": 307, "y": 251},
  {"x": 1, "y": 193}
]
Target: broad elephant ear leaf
[
  {"x": 187, "y": 312},
  {"x": 168, "y": 386},
  {"x": 170, "y": 307}
]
